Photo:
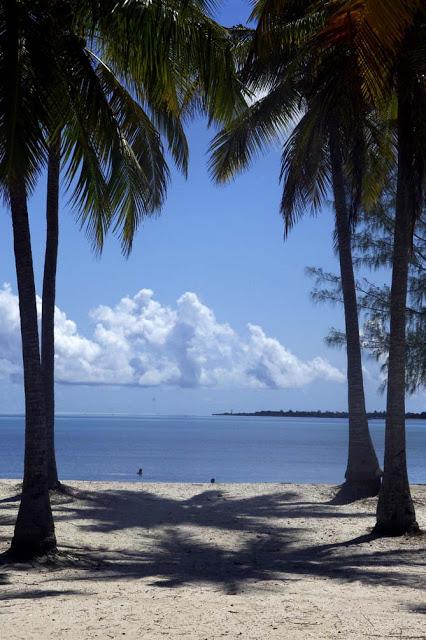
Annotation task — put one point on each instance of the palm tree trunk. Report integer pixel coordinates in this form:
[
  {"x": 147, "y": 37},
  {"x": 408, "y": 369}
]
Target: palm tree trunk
[
  {"x": 363, "y": 470},
  {"x": 34, "y": 528},
  {"x": 395, "y": 509},
  {"x": 48, "y": 305}
]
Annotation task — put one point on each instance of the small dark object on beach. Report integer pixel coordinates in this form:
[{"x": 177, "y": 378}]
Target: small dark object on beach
[
  {"x": 212, "y": 480},
  {"x": 140, "y": 472}
]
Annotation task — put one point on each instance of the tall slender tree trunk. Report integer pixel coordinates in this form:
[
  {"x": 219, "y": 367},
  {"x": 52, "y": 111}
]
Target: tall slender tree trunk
[
  {"x": 48, "y": 306},
  {"x": 34, "y": 529},
  {"x": 363, "y": 471},
  {"x": 395, "y": 509}
]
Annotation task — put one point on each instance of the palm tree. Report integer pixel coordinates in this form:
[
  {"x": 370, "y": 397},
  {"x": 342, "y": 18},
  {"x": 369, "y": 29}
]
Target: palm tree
[
  {"x": 48, "y": 305},
  {"x": 326, "y": 149},
  {"x": 395, "y": 510},
  {"x": 110, "y": 148},
  {"x": 194, "y": 78},
  {"x": 390, "y": 51},
  {"x": 21, "y": 153}
]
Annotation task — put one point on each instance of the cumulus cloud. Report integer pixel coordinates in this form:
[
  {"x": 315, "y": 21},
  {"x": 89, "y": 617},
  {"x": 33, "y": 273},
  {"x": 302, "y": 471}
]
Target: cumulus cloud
[{"x": 140, "y": 342}]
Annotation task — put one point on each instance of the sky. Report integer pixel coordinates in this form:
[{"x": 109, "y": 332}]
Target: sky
[{"x": 211, "y": 312}]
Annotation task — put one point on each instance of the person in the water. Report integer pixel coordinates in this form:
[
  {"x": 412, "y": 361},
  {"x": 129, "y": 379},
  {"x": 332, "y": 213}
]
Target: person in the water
[{"x": 140, "y": 472}]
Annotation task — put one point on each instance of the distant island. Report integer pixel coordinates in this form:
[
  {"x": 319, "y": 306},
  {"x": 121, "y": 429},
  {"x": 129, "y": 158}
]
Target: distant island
[{"x": 317, "y": 414}]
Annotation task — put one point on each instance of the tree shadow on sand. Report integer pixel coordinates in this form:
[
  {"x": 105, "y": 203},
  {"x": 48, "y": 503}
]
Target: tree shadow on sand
[
  {"x": 179, "y": 560},
  {"x": 4, "y": 578},
  {"x": 271, "y": 546},
  {"x": 38, "y": 594},
  {"x": 32, "y": 594},
  {"x": 122, "y": 509}
]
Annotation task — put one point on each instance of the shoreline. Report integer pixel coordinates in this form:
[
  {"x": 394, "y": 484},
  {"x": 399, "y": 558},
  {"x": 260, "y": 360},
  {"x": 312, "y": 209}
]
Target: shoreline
[
  {"x": 324, "y": 415},
  {"x": 216, "y": 484}
]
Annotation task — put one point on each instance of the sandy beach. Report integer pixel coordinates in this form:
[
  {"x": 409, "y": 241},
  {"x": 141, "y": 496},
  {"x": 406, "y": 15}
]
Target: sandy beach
[{"x": 194, "y": 561}]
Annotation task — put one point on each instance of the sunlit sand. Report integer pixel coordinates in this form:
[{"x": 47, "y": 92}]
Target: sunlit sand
[{"x": 202, "y": 562}]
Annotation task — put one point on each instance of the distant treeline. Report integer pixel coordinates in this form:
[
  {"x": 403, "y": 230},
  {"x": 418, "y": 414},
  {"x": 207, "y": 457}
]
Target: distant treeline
[{"x": 316, "y": 414}]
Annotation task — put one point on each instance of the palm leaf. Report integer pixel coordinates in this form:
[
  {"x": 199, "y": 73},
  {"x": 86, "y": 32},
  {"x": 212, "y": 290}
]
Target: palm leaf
[
  {"x": 234, "y": 148},
  {"x": 305, "y": 170}
]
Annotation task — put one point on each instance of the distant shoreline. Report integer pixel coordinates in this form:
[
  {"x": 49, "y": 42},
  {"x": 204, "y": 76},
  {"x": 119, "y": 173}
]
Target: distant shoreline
[{"x": 378, "y": 415}]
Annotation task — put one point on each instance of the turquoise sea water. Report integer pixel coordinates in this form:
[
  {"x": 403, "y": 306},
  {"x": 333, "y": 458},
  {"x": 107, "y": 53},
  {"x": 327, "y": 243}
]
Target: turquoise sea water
[{"x": 195, "y": 449}]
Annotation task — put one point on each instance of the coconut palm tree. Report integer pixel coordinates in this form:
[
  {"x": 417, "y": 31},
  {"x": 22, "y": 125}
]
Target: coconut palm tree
[
  {"x": 48, "y": 305},
  {"x": 195, "y": 77},
  {"x": 319, "y": 87},
  {"x": 22, "y": 151},
  {"x": 388, "y": 38},
  {"x": 111, "y": 150}
]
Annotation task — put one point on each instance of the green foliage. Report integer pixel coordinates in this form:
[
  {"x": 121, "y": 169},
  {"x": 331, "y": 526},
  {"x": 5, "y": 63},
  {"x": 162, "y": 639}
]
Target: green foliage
[
  {"x": 310, "y": 89},
  {"x": 116, "y": 78},
  {"x": 373, "y": 249},
  {"x": 337, "y": 72}
]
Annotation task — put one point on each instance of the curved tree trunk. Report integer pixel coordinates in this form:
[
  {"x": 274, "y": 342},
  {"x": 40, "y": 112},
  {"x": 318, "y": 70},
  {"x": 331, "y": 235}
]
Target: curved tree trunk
[
  {"x": 363, "y": 470},
  {"x": 34, "y": 529},
  {"x": 48, "y": 306},
  {"x": 395, "y": 510}
]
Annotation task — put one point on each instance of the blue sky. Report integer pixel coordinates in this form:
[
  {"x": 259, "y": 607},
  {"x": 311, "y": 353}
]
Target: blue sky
[{"x": 223, "y": 244}]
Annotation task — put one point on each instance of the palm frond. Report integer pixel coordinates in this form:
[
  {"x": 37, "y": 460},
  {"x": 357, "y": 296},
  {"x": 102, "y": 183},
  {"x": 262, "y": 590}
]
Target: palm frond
[
  {"x": 305, "y": 169},
  {"x": 24, "y": 108},
  {"x": 251, "y": 132}
]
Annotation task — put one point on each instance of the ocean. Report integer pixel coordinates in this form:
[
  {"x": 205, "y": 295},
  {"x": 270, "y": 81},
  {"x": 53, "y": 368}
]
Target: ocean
[{"x": 196, "y": 449}]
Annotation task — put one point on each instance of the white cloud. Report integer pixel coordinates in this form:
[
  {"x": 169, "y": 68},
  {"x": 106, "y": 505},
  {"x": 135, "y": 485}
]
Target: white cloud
[{"x": 141, "y": 342}]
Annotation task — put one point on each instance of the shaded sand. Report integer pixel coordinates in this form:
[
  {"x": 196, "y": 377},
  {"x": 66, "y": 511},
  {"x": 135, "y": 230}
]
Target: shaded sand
[{"x": 202, "y": 562}]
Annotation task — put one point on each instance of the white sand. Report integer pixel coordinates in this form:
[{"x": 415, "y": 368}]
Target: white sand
[{"x": 202, "y": 562}]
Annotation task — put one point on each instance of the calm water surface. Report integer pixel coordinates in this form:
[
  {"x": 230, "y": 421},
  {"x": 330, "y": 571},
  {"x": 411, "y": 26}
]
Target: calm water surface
[{"x": 194, "y": 449}]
